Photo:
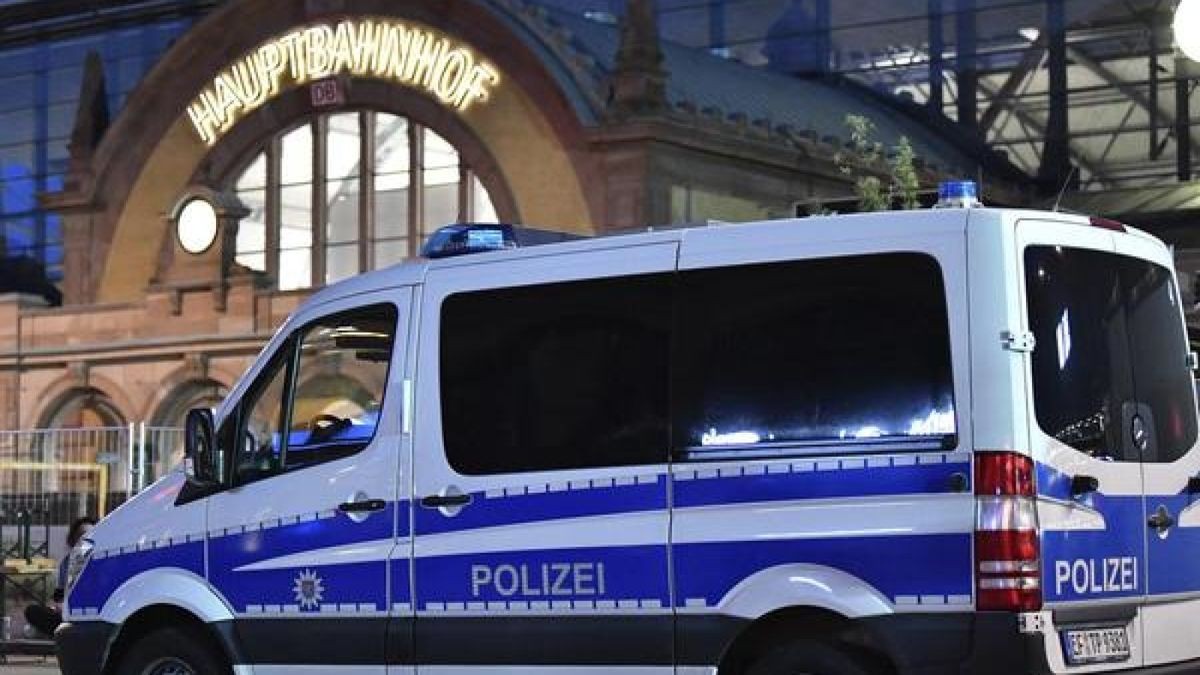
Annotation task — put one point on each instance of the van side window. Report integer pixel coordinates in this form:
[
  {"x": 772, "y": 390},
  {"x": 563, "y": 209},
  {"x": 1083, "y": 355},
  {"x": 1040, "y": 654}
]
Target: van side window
[
  {"x": 556, "y": 376},
  {"x": 339, "y": 385},
  {"x": 260, "y": 452},
  {"x": 330, "y": 381},
  {"x": 835, "y": 350}
]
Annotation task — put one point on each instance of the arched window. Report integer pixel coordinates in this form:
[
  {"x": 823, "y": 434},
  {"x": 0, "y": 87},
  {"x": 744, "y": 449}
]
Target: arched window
[{"x": 333, "y": 197}]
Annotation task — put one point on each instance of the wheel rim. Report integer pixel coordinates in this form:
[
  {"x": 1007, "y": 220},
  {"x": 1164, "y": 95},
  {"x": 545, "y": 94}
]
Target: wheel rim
[{"x": 169, "y": 666}]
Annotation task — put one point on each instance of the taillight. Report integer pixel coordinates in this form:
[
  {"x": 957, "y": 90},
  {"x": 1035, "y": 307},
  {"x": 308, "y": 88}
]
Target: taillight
[{"x": 1007, "y": 554}]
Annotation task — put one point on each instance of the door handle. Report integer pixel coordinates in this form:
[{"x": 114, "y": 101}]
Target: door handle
[
  {"x": 364, "y": 506},
  {"x": 1082, "y": 485},
  {"x": 444, "y": 501},
  {"x": 1161, "y": 519}
]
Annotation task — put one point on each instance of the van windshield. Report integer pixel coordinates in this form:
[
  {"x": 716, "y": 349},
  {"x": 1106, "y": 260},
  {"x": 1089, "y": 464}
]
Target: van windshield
[{"x": 1110, "y": 345}]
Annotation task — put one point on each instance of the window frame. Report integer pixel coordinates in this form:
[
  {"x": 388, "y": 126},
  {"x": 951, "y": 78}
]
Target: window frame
[
  {"x": 679, "y": 453},
  {"x": 318, "y": 124},
  {"x": 288, "y": 354},
  {"x": 683, "y": 453},
  {"x": 669, "y": 281}
]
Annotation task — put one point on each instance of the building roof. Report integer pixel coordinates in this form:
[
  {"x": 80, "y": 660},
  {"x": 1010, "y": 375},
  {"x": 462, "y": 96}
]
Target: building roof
[
  {"x": 806, "y": 110},
  {"x": 1142, "y": 201}
]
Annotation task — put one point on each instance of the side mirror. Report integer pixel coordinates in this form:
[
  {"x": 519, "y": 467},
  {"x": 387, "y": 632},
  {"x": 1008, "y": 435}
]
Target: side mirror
[{"x": 200, "y": 448}]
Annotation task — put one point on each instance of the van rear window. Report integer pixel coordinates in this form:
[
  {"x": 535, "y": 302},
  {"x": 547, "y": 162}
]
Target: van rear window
[{"x": 1110, "y": 346}]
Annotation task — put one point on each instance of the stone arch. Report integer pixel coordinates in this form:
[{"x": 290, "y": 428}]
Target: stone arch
[
  {"x": 533, "y": 127},
  {"x": 95, "y": 394},
  {"x": 172, "y": 405}
]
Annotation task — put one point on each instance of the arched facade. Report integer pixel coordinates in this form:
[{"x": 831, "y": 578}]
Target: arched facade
[
  {"x": 525, "y": 141},
  {"x": 416, "y": 114}
]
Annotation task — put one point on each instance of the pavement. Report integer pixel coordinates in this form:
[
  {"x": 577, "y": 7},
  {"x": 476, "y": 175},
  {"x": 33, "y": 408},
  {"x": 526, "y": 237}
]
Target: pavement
[{"x": 23, "y": 665}]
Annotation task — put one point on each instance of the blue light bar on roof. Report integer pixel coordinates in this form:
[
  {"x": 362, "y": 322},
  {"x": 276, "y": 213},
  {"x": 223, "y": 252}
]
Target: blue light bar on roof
[
  {"x": 958, "y": 194},
  {"x": 467, "y": 238}
]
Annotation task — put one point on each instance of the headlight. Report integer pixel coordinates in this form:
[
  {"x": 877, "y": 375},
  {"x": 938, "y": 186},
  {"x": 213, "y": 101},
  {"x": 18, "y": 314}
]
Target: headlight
[{"x": 80, "y": 555}]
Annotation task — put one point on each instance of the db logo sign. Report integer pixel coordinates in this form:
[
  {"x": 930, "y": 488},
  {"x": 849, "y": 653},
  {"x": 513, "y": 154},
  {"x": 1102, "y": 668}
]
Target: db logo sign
[{"x": 326, "y": 93}]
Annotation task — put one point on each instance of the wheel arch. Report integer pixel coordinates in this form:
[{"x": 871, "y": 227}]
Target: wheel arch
[
  {"x": 147, "y": 619},
  {"x": 802, "y": 622}
]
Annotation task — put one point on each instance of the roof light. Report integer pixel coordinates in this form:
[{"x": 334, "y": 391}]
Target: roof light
[
  {"x": 958, "y": 194},
  {"x": 467, "y": 238}
]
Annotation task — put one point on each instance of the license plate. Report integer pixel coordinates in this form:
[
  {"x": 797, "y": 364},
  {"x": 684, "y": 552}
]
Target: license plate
[{"x": 1096, "y": 645}]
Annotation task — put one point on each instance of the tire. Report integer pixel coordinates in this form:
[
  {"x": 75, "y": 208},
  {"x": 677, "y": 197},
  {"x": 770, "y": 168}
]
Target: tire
[
  {"x": 812, "y": 657},
  {"x": 173, "y": 651}
]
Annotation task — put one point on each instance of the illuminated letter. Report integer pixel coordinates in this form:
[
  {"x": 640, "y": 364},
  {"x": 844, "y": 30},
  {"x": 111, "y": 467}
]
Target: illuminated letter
[
  {"x": 203, "y": 119},
  {"x": 271, "y": 59},
  {"x": 342, "y": 54},
  {"x": 250, "y": 90},
  {"x": 290, "y": 43},
  {"x": 319, "y": 59},
  {"x": 227, "y": 100},
  {"x": 474, "y": 88},
  {"x": 454, "y": 69},
  {"x": 366, "y": 47}
]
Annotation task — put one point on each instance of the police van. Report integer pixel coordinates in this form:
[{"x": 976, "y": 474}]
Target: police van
[{"x": 959, "y": 440}]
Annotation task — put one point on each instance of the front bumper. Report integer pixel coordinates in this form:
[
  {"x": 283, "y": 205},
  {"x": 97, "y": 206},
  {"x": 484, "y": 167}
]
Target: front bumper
[{"x": 83, "y": 646}]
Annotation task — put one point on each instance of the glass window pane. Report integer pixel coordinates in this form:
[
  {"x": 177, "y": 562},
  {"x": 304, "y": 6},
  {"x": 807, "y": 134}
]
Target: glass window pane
[
  {"x": 1110, "y": 346},
  {"x": 295, "y": 237},
  {"x": 252, "y": 231},
  {"x": 341, "y": 229},
  {"x": 343, "y": 149},
  {"x": 391, "y": 144},
  {"x": 342, "y": 211},
  {"x": 254, "y": 175},
  {"x": 260, "y": 450},
  {"x": 482, "y": 209},
  {"x": 517, "y": 396},
  {"x": 390, "y": 252},
  {"x": 297, "y": 159},
  {"x": 795, "y": 352},
  {"x": 441, "y": 190},
  {"x": 340, "y": 385}
]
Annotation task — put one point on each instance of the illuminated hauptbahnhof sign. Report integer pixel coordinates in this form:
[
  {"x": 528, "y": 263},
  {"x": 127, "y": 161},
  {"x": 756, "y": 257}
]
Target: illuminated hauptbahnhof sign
[{"x": 410, "y": 55}]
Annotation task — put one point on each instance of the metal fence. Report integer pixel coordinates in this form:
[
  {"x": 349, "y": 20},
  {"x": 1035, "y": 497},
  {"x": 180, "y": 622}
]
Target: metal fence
[{"x": 57, "y": 475}]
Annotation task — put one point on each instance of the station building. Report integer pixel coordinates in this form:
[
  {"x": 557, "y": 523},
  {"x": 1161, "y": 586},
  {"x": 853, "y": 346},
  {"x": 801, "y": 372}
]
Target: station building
[{"x": 281, "y": 145}]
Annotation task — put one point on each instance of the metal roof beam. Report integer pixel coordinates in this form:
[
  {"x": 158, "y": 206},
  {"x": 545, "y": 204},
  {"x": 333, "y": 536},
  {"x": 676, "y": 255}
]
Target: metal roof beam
[{"x": 1167, "y": 115}]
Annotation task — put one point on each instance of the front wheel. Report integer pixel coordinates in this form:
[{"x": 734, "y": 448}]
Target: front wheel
[
  {"x": 172, "y": 651},
  {"x": 811, "y": 657}
]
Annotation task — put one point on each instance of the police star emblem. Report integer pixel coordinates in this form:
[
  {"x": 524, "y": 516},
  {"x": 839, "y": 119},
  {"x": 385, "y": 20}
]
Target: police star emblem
[{"x": 309, "y": 590}]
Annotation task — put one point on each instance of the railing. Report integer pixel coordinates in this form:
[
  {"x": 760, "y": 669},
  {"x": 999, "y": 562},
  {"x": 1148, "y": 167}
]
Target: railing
[{"x": 61, "y": 474}]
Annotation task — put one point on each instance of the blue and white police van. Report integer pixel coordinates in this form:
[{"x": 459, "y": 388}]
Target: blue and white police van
[{"x": 960, "y": 440}]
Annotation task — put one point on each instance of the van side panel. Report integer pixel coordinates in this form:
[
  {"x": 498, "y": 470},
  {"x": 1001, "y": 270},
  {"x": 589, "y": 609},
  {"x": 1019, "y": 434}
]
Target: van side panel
[{"x": 858, "y": 531}]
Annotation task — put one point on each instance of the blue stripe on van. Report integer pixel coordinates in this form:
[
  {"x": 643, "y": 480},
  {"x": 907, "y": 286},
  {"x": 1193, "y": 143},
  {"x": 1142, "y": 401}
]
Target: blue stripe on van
[
  {"x": 355, "y": 583},
  {"x": 918, "y": 565},
  {"x": 103, "y": 576},
  {"x": 544, "y": 506},
  {"x": 812, "y": 484}
]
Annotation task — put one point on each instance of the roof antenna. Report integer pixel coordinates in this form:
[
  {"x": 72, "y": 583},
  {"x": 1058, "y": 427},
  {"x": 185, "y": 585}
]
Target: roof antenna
[{"x": 1063, "y": 191}]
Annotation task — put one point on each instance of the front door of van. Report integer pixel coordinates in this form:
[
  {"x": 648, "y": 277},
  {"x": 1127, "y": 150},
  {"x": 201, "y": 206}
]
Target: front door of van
[
  {"x": 1170, "y": 458},
  {"x": 541, "y": 499},
  {"x": 299, "y": 545}
]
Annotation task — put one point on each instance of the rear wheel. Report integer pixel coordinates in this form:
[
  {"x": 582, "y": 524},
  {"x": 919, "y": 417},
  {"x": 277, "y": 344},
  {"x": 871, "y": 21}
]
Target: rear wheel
[
  {"x": 812, "y": 657},
  {"x": 173, "y": 651}
]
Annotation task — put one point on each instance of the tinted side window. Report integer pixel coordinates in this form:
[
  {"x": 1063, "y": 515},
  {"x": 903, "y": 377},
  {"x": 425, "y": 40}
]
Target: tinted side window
[
  {"x": 556, "y": 376},
  {"x": 340, "y": 382},
  {"x": 828, "y": 350}
]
